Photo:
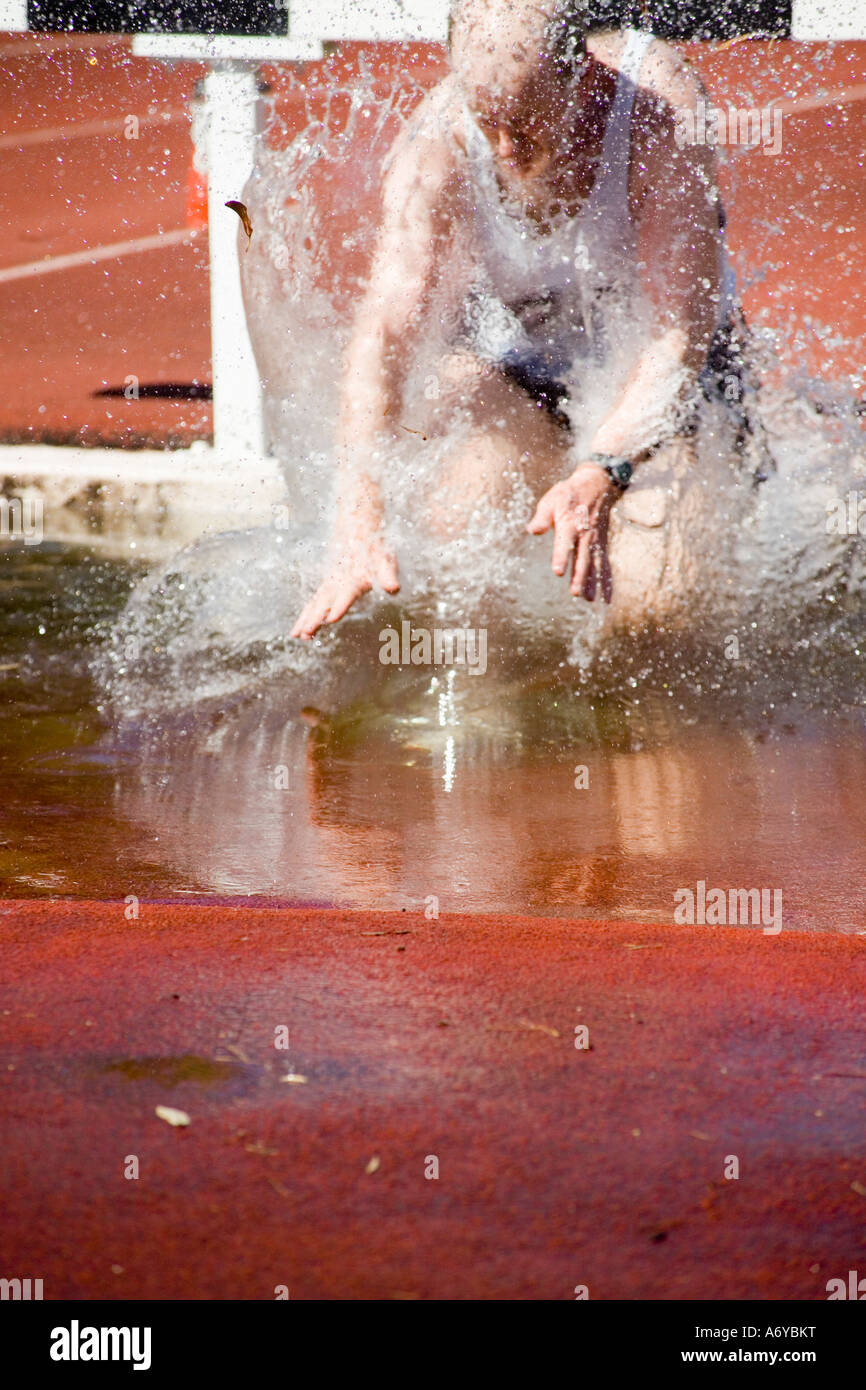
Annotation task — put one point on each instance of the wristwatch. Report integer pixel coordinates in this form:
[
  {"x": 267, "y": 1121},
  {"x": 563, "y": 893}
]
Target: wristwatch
[{"x": 617, "y": 468}]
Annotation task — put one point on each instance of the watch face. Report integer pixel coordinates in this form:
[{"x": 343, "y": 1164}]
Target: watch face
[{"x": 621, "y": 473}]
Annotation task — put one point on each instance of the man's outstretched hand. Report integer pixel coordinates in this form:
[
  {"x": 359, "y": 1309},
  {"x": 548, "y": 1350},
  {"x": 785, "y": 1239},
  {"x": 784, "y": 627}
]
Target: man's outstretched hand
[
  {"x": 578, "y": 509},
  {"x": 359, "y": 565}
]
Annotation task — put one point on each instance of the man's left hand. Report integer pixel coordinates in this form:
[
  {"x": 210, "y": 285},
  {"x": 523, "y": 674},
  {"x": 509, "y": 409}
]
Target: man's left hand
[{"x": 579, "y": 510}]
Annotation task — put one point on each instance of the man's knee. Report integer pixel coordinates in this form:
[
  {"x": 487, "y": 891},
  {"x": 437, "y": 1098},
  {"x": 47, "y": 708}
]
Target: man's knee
[{"x": 658, "y": 483}]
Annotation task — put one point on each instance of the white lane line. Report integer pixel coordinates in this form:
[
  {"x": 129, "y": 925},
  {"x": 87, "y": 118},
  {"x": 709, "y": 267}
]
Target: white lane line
[
  {"x": 98, "y": 253},
  {"x": 114, "y": 126},
  {"x": 838, "y": 98}
]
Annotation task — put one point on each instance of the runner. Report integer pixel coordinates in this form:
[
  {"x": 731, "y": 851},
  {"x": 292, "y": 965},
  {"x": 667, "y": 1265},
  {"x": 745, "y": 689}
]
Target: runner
[{"x": 554, "y": 153}]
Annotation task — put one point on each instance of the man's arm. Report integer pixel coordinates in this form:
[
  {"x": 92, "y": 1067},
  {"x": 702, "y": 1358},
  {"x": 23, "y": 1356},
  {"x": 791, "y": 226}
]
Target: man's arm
[
  {"x": 674, "y": 203},
  {"x": 409, "y": 248}
]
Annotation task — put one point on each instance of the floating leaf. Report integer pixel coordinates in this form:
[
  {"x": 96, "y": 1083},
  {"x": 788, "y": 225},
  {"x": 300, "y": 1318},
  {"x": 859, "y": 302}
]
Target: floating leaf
[
  {"x": 242, "y": 213},
  {"x": 171, "y": 1116}
]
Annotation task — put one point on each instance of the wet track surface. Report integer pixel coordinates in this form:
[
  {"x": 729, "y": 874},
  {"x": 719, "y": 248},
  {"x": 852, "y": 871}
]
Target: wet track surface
[{"x": 602, "y": 1165}]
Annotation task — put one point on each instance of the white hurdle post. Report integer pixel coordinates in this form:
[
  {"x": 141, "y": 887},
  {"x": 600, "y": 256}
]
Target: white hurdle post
[
  {"x": 233, "y": 125},
  {"x": 828, "y": 19},
  {"x": 13, "y": 16},
  {"x": 238, "y": 423}
]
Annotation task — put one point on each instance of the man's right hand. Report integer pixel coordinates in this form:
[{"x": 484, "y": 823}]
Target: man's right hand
[{"x": 359, "y": 564}]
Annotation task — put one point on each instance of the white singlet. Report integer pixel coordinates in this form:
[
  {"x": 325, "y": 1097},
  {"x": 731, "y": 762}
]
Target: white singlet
[{"x": 552, "y": 299}]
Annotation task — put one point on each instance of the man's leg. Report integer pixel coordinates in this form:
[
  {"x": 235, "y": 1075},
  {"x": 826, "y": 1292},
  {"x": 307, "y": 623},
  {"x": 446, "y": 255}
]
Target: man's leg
[
  {"x": 663, "y": 528},
  {"x": 503, "y": 438},
  {"x": 673, "y": 533},
  {"x": 652, "y": 561}
]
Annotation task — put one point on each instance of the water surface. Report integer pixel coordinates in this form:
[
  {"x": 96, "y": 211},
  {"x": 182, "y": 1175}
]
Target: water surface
[{"x": 420, "y": 787}]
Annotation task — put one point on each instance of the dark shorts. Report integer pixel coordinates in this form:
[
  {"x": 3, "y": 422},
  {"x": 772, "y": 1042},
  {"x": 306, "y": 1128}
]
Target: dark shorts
[
  {"x": 723, "y": 375},
  {"x": 539, "y": 377}
]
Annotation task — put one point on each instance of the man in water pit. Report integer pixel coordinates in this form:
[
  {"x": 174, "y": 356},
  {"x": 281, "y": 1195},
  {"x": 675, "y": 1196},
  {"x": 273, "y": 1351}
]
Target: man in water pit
[{"x": 554, "y": 153}]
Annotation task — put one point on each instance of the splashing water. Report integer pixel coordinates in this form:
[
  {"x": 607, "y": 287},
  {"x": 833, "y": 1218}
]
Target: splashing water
[{"x": 759, "y": 596}]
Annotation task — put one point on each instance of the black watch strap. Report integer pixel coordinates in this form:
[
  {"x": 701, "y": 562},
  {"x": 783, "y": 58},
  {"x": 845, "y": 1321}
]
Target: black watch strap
[{"x": 617, "y": 468}]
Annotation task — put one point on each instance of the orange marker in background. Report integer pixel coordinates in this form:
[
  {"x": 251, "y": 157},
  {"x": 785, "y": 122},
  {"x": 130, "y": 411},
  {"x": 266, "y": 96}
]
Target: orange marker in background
[
  {"x": 196, "y": 197},
  {"x": 196, "y": 179}
]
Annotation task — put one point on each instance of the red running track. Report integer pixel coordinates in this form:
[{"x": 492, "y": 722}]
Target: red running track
[{"x": 451, "y": 1038}]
